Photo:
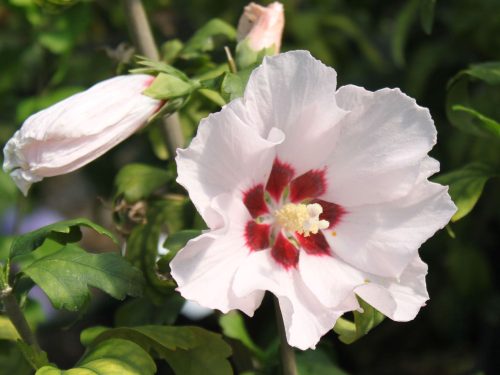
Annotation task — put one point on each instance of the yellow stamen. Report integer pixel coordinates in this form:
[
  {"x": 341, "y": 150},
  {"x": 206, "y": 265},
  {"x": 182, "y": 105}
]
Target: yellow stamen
[{"x": 301, "y": 218}]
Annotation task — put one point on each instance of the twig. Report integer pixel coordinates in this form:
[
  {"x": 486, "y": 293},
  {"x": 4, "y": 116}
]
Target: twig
[
  {"x": 146, "y": 46},
  {"x": 286, "y": 351},
  {"x": 16, "y": 316}
]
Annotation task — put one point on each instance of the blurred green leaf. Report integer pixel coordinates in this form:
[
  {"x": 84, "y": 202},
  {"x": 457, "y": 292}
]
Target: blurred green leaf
[
  {"x": 178, "y": 240},
  {"x": 141, "y": 311},
  {"x": 65, "y": 275},
  {"x": 205, "y": 38},
  {"x": 404, "y": 21},
  {"x": 114, "y": 356},
  {"x": 8, "y": 191},
  {"x": 316, "y": 362},
  {"x": 427, "y": 14},
  {"x": 466, "y": 185},
  {"x": 37, "y": 358},
  {"x": 62, "y": 232},
  {"x": 348, "y": 27},
  {"x": 233, "y": 326},
  {"x": 167, "y": 215},
  {"x": 469, "y": 271},
  {"x": 171, "y": 49},
  {"x": 138, "y": 181},
  {"x": 12, "y": 361},
  {"x": 34, "y": 104},
  {"x": 188, "y": 350},
  {"x": 364, "y": 322}
]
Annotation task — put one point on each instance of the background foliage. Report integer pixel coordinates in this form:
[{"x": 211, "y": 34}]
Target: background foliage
[{"x": 445, "y": 54}]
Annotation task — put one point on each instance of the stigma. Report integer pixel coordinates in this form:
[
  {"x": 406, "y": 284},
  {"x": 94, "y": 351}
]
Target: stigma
[{"x": 301, "y": 218}]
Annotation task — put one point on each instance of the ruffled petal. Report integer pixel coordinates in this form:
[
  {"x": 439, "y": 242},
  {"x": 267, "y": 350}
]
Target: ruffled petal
[
  {"x": 384, "y": 238},
  {"x": 205, "y": 268},
  {"x": 226, "y": 156},
  {"x": 380, "y": 148},
  {"x": 295, "y": 92},
  {"x": 306, "y": 319},
  {"x": 330, "y": 279},
  {"x": 399, "y": 299}
]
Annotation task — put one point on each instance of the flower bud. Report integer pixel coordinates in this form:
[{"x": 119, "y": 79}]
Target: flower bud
[
  {"x": 79, "y": 129},
  {"x": 262, "y": 26}
]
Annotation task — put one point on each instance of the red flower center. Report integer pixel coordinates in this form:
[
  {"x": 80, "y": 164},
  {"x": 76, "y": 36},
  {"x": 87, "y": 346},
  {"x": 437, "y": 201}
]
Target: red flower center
[{"x": 283, "y": 188}]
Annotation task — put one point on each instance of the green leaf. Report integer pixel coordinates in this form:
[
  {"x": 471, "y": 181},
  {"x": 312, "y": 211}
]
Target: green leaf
[
  {"x": 477, "y": 122},
  {"x": 364, "y": 322},
  {"x": 114, "y": 356},
  {"x": 205, "y": 38},
  {"x": 459, "y": 107},
  {"x": 188, "y": 350},
  {"x": 466, "y": 185},
  {"x": 488, "y": 72},
  {"x": 233, "y": 326},
  {"x": 65, "y": 275},
  {"x": 167, "y": 86},
  {"x": 233, "y": 85},
  {"x": 427, "y": 14},
  {"x": 316, "y": 362},
  {"x": 62, "y": 232},
  {"x": 138, "y": 181}
]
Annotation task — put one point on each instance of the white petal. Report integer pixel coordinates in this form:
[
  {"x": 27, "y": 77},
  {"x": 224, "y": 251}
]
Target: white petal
[
  {"x": 306, "y": 319},
  {"x": 399, "y": 299},
  {"x": 295, "y": 92},
  {"x": 330, "y": 279},
  {"x": 381, "y": 144},
  {"x": 384, "y": 238},
  {"x": 79, "y": 129},
  {"x": 225, "y": 156},
  {"x": 205, "y": 268}
]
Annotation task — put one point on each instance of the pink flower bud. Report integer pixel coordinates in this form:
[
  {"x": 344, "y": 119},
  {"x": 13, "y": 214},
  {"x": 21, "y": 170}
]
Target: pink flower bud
[
  {"x": 79, "y": 129},
  {"x": 262, "y": 26}
]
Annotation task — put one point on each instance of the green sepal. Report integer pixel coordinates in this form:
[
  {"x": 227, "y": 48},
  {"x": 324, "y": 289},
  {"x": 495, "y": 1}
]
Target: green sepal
[{"x": 364, "y": 322}]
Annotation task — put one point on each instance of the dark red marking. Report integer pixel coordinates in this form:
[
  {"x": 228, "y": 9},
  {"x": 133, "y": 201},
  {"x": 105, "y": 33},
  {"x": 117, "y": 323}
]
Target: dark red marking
[
  {"x": 254, "y": 201},
  {"x": 280, "y": 177},
  {"x": 257, "y": 235},
  {"x": 331, "y": 212},
  {"x": 314, "y": 244},
  {"x": 284, "y": 252},
  {"x": 311, "y": 184}
]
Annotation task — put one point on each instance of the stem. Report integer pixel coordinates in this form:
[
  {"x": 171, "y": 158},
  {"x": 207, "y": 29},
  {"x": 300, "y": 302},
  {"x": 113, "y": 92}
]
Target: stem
[
  {"x": 16, "y": 316},
  {"x": 286, "y": 351},
  {"x": 145, "y": 44}
]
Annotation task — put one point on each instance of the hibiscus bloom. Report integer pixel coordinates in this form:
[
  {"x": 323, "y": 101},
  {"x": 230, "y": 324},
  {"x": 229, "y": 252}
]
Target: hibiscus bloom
[
  {"x": 314, "y": 194},
  {"x": 79, "y": 129}
]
